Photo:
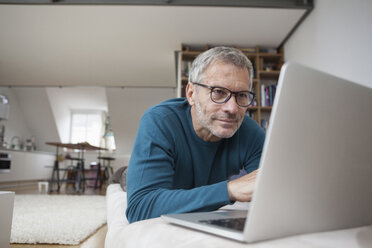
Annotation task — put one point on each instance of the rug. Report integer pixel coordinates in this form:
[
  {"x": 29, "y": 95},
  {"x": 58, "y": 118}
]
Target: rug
[{"x": 56, "y": 219}]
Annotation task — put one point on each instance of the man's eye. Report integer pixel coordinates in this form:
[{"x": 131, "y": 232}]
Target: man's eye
[
  {"x": 242, "y": 95},
  {"x": 219, "y": 92}
]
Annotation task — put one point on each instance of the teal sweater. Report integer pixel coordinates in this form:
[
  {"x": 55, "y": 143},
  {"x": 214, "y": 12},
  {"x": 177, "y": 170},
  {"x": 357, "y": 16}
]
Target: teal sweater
[{"x": 172, "y": 170}]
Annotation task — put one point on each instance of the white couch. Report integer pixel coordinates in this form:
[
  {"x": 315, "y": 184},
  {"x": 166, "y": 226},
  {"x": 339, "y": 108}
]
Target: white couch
[
  {"x": 116, "y": 220},
  {"x": 157, "y": 233}
]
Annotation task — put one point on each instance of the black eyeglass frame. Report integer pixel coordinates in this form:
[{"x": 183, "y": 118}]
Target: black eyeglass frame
[{"x": 231, "y": 93}]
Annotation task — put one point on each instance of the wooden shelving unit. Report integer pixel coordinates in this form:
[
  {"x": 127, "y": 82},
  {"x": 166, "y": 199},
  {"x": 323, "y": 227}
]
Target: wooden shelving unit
[{"x": 266, "y": 63}]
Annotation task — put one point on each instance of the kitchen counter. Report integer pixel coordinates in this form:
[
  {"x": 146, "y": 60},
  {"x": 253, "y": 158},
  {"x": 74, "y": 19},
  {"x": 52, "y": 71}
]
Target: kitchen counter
[
  {"x": 28, "y": 165},
  {"x": 3, "y": 149}
]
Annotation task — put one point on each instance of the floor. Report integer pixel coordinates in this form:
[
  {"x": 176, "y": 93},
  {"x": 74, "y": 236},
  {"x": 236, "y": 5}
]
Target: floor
[{"x": 96, "y": 240}]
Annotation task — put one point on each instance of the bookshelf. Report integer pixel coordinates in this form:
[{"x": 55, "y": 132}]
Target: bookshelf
[{"x": 267, "y": 63}]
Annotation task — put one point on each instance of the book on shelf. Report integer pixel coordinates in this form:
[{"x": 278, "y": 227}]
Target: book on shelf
[
  {"x": 267, "y": 95},
  {"x": 270, "y": 50},
  {"x": 262, "y": 91},
  {"x": 248, "y": 50},
  {"x": 264, "y": 124},
  {"x": 252, "y": 114}
]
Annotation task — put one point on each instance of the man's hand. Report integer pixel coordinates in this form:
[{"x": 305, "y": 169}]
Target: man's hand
[{"x": 241, "y": 189}]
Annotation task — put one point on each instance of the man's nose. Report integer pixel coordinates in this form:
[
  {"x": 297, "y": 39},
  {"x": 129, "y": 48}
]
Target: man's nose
[{"x": 231, "y": 106}]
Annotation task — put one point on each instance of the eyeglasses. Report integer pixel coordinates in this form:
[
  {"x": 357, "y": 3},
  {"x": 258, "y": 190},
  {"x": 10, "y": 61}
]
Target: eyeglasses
[{"x": 221, "y": 95}]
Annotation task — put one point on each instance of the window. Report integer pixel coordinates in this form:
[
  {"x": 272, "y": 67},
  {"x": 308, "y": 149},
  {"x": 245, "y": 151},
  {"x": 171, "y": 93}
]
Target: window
[{"x": 87, "y": 126}]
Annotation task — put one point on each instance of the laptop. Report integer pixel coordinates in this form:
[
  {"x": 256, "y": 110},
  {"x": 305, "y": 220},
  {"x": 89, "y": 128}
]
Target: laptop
[{"x": 316, "y": 167}]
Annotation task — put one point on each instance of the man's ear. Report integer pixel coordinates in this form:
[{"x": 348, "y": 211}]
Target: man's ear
[{"x": 190, "y": 91}]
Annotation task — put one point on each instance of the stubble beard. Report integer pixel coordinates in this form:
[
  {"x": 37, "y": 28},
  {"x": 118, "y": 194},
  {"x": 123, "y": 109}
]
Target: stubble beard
[{"x": 203, "y": 121}]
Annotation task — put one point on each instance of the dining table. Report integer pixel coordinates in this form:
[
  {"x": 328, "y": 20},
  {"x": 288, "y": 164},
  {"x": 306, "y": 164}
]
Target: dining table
[{"x": 79, "y": 179}]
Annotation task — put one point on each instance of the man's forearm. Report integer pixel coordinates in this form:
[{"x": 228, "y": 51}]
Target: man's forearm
[{"x": 144, "y": 205}]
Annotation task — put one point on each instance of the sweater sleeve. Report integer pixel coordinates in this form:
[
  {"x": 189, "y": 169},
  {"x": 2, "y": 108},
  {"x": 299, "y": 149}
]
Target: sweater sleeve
[{"x": 150, "y": 176}]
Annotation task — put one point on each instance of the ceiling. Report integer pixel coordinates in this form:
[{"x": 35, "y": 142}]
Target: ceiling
[{"x": 123, "y": 45}]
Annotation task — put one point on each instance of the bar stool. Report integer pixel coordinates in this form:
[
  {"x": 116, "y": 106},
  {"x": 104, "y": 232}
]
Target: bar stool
[
  {"x": 108, "y": 170},
  {"x": 77, "y": 173}
]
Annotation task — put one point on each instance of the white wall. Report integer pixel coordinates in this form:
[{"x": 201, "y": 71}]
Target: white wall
[
  {"x": 47, "y": 111},
  {"x": 30, "y": 115},
  {"x": 16, "y": 123},
  {"x": 38, "y": 116},
  {"x": 336, "y": 38},
  {"x": 63, "y": 100},
  {"x": 126, "y": 107}
]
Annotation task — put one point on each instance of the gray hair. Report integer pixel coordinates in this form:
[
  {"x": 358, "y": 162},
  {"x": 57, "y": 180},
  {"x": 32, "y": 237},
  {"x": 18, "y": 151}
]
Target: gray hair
[{"x": 227, "y": 55}]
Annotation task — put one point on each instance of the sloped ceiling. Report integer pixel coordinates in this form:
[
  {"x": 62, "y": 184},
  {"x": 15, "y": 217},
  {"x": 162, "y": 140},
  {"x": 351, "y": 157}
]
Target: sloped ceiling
[
  {"x": 64, "y": 100},
  {"x": 38, "y": 117},
  {"x": 122, "y": 45}
]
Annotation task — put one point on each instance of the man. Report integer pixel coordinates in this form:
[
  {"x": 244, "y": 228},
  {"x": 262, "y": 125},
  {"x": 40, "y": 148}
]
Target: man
[{"x": 187, "y": 149}]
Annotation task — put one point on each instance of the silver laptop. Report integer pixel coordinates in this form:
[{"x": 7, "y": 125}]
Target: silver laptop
[{"x": 316, "y": 167}]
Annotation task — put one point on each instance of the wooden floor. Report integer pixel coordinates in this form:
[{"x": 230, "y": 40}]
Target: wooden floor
[{"x": 96, "y": 240}]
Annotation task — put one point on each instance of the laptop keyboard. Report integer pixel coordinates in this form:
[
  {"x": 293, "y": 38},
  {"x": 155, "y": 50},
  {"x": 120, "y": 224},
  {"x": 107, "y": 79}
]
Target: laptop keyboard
[{"x": 232, "y": 223}]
